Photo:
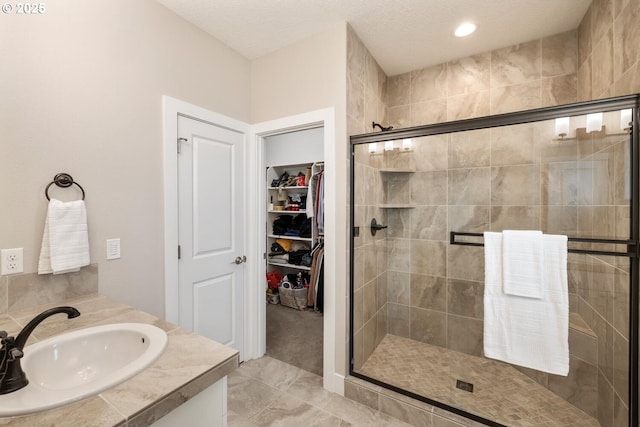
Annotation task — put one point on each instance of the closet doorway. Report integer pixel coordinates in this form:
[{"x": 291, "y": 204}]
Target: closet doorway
[{"x": 294, "y": 247}]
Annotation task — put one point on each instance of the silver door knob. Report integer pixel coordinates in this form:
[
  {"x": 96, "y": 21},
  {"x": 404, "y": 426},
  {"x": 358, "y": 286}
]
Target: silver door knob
[{"x": 240, "y": 259}]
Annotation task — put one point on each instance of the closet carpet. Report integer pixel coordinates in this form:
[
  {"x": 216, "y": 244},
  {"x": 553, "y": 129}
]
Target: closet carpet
[{"x": 295, "y": 337}]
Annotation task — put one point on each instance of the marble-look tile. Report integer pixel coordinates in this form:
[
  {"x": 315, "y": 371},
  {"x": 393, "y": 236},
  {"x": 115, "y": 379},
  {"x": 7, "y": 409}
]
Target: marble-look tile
[
  {"x": 429, "y": 222},
  {"x": 375, "y": 78},
  {"x": 469, "y": 105},
  {"x": 399, "y": 254},
  {"x": 584, "y": 81},
  {"x": 370, "y": 262},
  {"x": 560, "y": 54},
  {"x": 429, "y": 112},
  {"x": 559, "y": 183},
  {"x": 584, "y": 38},
  {"x": 399, "y": 223},
  {"x": 428, "y": 83},
  {"x": 163, "y": 377},
  {"x": 465, "y": 262},
  {"x": 469, "y": 186},
  {"x": 358, "y": 309},
  {"x": 602, "y": 65},
  {"x": 515, "y": 64},
  {"x": 355, "y": 96},
  {"x": 399, "y": 318},
  {"x": 514, "y": 145},
  {"x": 507, "y": 182},
  {"x": 431, "y": 152},
  {"x": 93, "y": 411},
  {"x": 403, "y": 411},
  {"x": 428, "y": 326},
  {"x": 621, "y": 367},
  {"x": 629, "y": 83},
  {"x": 515, "y": 218},
  {"x": 469, "y": 74},
  {"x": 31, "y": 289},
  {"x": 370, "y": 337},
  {"x": 238, "y": 420},
  {"x": 294, "y": 412},
  {"x": 397, "y": 189},
  {"x": 398, "y": 90},
  {"x": 606, "y": 397},
  {"x": 356, "y": 52},
  {"x": 620, "y": 413},
  {"x": 361, "y": 393},
  {"x": 369, "y": 301},
  {"x": 583, "y": 346},
  {"x": 602, "y": 18},
  {"x": 559, "y": 90},
  {"x": 429, "y": 188},
  {"x": 621, "y": 303},
  {"x": 550, "y": 147},
  {"x": 465, "y": 298},
  {"x": 398, "y": 287},
  {"x": 465, "y": 335},
  {"x": 429, "y": 292},
  {"x": 470, "y": 149},
  {"x": 517, "y": 97},
  {"x": 470, "y": 219},
  {"x": 579, "y": 387},
  {"x": 627, "y": 39},
  {"x": 559, "y": 220},
  {"x": 248, "y": 396},
  {"x": 429, "y": 257},
  {"x": 399, "y": 117}
]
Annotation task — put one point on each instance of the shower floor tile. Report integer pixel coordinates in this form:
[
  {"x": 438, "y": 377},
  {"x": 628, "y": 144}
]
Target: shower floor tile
[{"x": 500, "y": 392}]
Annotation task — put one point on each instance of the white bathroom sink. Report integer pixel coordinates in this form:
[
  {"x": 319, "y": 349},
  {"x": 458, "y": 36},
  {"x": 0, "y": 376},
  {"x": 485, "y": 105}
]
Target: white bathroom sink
[{"x": 78, "y": 364}]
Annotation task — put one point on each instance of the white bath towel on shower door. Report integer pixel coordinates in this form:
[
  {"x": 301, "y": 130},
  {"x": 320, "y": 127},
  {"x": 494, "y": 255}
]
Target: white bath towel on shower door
[{"x": 529, "y": 332}]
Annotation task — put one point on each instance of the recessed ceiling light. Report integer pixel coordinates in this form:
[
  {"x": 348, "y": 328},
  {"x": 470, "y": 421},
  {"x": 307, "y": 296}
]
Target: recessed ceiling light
[{"x": 464, "y": 29}]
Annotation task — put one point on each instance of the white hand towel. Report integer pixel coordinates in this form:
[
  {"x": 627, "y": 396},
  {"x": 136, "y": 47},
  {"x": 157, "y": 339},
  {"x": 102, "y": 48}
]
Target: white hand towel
[
  {"x": 65, "y": 240},
  {"x": 522, "y": 263},
  {"x": 528, "y": 332}
]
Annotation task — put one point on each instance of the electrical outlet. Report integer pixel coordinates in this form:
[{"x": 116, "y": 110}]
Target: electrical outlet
[
  {"x": 11, "y": 261},
  {"x": 113, "y": 248}
]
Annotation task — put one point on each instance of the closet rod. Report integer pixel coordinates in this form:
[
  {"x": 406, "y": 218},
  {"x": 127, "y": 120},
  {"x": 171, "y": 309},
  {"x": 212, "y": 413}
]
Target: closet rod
[{"x": 632, "y": 245}]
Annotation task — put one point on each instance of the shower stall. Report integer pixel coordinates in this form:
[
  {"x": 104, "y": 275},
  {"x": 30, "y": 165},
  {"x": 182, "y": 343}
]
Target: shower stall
[{"x": 421, "y": 199}]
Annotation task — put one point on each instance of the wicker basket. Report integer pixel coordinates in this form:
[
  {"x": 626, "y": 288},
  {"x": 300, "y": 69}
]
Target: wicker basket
[{"x": 294, "y": 298}]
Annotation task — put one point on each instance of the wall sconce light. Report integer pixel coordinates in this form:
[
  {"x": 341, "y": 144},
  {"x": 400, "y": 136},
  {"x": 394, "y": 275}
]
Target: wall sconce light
[
  {"x": 388, "y": 145},
  {"x": 406, "y": 144},
  {"x": 594, "y": 122},
  {"x": 625, "y": 120},
  {"x": 562, "y": 127},
  {"x": 373, "y": 147}
]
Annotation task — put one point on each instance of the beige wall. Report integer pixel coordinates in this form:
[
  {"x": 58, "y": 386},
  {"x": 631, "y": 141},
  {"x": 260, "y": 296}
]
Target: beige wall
[
  {"x": 82, "y": 90},
  {"x": 306, "y": 76}
]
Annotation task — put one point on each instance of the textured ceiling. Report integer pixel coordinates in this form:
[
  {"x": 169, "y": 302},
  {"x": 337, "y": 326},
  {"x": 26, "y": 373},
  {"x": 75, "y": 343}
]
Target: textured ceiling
[{"x": 402, "y": 35}]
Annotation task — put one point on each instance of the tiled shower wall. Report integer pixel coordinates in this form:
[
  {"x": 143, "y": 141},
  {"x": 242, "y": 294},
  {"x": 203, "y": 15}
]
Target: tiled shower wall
[{"x": 598, "y": 60}]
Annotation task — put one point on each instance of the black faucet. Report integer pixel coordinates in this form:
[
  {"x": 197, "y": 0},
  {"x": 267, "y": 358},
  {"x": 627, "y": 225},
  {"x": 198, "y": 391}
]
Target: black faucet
[{"x": 12, "y": 377}]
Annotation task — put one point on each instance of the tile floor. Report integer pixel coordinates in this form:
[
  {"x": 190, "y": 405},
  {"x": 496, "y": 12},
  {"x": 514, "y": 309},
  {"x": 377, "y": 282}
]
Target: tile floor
[
  {"x": 501, "y": 393},
  {"x": 268, "y": 392}
]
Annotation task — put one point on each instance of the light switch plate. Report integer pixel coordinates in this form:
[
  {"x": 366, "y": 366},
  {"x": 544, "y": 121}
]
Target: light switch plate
[{"x": 113, "y": 248}]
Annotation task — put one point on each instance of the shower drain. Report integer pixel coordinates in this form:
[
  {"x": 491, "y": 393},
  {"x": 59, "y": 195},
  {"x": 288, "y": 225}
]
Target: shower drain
[{"x": 463, "y": 385}]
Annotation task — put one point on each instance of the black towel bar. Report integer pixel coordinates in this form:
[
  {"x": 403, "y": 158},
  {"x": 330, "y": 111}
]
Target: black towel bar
[
  {"x": 632, "y": 245},
  {"x": 62, "y": 180}
]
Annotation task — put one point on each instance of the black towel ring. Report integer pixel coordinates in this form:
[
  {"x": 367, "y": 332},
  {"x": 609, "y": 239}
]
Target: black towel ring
[{"x": 62, "y": 180}]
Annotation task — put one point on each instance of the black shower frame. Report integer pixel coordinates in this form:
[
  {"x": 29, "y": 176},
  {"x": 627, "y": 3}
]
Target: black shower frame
[{"x": 520, "y": 117}]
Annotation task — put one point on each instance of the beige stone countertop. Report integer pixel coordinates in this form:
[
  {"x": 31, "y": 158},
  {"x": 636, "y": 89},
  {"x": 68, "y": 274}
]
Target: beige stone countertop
[{"x": 189, "y": 364}]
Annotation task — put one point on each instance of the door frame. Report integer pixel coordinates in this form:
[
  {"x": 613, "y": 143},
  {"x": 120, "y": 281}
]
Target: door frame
[
  {"x": 256, "y": 202},
  {"x": 171, "y": 109}
]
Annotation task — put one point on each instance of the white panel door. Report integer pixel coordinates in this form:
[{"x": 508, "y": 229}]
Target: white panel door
[{"x": 210, "y": 218}]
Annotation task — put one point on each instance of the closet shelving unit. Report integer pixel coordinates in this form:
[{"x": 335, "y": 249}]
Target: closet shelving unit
[{"x": 274, "y": 172}]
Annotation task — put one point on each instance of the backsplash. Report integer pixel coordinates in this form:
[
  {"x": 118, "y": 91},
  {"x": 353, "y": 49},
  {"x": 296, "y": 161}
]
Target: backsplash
[{"x": 27, "y": 290}]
